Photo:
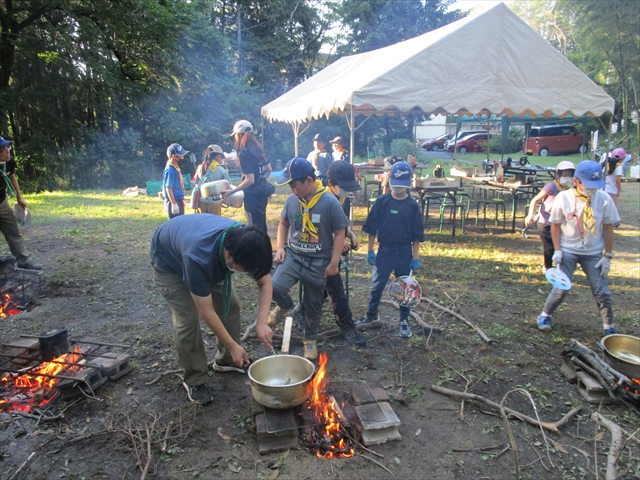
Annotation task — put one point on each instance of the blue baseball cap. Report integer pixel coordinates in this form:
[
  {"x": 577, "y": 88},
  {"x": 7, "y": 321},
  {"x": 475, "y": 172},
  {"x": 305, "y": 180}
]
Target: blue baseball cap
[
  {"x": 400, "y": 175},
  {"x": 590, "y": 174},
  {"x": 297, "y": 167},
  {"x": 4, "y": 143},
  {"x": 176, "y": 149}
]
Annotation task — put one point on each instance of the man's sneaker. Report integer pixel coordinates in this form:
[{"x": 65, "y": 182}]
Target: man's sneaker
[
  {"x": 226, "y": 368},
  {"x": 610, "y": 331},
  {"x": 310, "y": 350},
  {"x": 368, "y": 319},
  {"x": 352, "y": 335},
  {"x": 201, "y": 394},
  {"x": 276, "y": 316},
  {"x": 27, "y": 265},
  {"x": 405, "y": 329},
  {"x": 544, "y": 322}
]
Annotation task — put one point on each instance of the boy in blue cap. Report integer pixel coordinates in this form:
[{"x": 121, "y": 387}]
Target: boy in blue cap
[
  {"x": 582, "y": 221},
  {"x": 312, "y": 227},
  {"x": 172, "y": 181},
  {"x": 396, "y": 219}
]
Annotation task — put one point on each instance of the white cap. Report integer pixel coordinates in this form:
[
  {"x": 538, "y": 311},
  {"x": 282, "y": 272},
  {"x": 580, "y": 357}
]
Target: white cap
[
  {"x": 242, "y": 126},
  {"x": 566, "y": 165}
]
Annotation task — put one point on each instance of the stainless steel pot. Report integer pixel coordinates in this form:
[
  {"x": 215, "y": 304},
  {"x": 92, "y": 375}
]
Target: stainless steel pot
[
  {"x": 269, "y": 380},
  {"x": 622, "y": 352}
]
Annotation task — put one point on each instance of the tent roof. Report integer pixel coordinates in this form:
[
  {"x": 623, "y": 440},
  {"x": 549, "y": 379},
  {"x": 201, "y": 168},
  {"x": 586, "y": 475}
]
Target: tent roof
[{"x": 491, "y": 62}]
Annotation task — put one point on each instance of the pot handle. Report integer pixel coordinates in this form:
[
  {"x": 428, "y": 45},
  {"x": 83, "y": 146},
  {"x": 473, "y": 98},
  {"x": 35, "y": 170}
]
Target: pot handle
[{"x": 245, "y": 366}]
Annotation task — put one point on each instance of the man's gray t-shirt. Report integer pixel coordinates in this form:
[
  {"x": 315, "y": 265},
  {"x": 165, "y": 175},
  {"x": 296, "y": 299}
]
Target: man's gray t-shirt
[{"x": 326, "y": 215}]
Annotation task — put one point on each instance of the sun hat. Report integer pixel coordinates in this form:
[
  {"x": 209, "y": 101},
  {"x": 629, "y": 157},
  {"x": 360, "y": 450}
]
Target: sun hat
[
  {"x": 590, "y": 174},
  {"x": 297, "y": 167},
  {"x": 215, "y": 149},
  {"x": 242, "y": 126},
  {"x": 400, "y": 175},
  {"x": 343, "y": 174},
  {"x": 337, "y": 140},
  {"x": 176, "y": 149},
  {"x": 566, "y": 165}
]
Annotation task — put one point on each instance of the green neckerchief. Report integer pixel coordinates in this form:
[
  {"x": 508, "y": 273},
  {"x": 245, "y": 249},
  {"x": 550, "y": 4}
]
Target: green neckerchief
[
  {"x": 226, "y": 285},
  {"x": 3, "y": 171}
]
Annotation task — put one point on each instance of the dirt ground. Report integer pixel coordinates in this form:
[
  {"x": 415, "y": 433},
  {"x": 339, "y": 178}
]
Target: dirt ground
[{"x": 105, "y": 293}]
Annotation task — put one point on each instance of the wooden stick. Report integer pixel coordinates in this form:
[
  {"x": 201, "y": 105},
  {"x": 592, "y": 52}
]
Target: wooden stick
[
  {"x": 24, "y": 464},
  {"x": 459, "y": 317},
  {"x": 587, "y": 355},
  {"x": 415, "y": 316},
  {"x": 616, "y": 443},
  {"x": 168, "y": 372},
  {"x": 286, "y": 336},
  {"x": 554, "y": 427},
  {"x": 377, "y": 463}
]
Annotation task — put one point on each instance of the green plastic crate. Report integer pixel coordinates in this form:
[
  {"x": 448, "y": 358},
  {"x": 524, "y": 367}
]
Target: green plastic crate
[
  {"x": 187, "y": 181},
  {"x": 153, "y": 188}
]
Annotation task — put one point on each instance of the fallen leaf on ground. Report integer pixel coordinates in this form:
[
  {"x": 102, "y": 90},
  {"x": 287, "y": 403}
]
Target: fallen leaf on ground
[
  {"x": 599, "y": 436},
  {"x": 559, "y": 447},
  {"x": 233, "y": 468},
  {"x": 274, "y": 475},
  {"x": 222, "y": 435},
  {"x": 418, "y": 432}
]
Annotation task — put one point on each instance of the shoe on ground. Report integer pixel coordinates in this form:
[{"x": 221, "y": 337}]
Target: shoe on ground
[
  {"x": 27, "y": 265},
  {"x": 226, "y": 368},
  {"x": 276, "y": 316},
  {"x": 405, "y": 329},
  {"x": 201, "y": 394},
  {"x": 610, "y": 331},
  {"x": 368, "y": 319},
  {"x": 544, "y": 322},
  {"x": 352, "y": 335},
  {"x": 310, "y": 350}
]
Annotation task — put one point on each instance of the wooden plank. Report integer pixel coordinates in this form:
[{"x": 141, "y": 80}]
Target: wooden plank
[{"x": 286, "y": 337}]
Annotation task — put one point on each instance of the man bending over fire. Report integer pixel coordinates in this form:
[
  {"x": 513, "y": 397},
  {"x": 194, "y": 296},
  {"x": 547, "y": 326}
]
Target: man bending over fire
[{"x": 194, "y": 258}]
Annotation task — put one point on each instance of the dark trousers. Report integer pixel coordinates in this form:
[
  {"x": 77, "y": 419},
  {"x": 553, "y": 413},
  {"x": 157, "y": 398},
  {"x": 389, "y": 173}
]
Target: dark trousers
[
  {"x": 547, "y": 244},
  {"x": 339, "y": 305},
  {"x": 167, "y": 206},
  {"x": 389, "y": 259}
]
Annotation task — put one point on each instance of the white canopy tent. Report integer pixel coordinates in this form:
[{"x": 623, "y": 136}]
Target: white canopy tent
[{"x": 490, "y": 63}]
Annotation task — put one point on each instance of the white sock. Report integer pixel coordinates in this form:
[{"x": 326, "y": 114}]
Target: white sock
[{"x": 545, "y": 314}]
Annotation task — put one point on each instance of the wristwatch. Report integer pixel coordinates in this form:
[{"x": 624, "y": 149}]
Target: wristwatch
[{"x": 609, "y": 255}]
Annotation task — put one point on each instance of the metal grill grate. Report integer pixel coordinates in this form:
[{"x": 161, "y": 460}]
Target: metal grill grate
[{"x": 279, "y": 420}]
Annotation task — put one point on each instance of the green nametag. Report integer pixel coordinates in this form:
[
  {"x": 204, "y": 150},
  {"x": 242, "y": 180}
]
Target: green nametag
[{"x": 394, "y": 211}]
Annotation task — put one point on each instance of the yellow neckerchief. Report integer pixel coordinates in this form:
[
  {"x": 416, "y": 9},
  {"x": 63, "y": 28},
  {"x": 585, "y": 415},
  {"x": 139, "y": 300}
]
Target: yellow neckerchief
[
  {"x": 307, "y": 225},
  {"x": 171, "y": 164},
  {"x": 213, "y": 166},
  {"x": 560, "y": 187},
  {"x": 587, "y": 214}
]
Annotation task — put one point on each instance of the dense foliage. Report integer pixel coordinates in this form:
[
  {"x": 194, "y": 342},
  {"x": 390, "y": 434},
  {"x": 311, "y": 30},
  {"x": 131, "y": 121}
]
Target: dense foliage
[{"x": 93, "y": 91}]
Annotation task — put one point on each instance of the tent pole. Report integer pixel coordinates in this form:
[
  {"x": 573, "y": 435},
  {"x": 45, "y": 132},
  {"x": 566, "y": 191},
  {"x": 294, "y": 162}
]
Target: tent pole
[
  {"x": 351, "y": 140},
  {"x": 296, "y": 129}
]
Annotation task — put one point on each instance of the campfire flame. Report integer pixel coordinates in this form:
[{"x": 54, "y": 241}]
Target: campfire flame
[
  {"x": 331, "y": 436},
  {"x": 7, "y": 308},
  {"x": 34, "y": 389}
]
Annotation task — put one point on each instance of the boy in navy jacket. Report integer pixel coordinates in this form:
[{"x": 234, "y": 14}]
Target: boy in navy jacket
[{"x": 396, "y": 219}]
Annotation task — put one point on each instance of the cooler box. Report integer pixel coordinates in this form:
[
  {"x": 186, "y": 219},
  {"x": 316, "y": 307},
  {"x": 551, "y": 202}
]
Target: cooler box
[
  {"x": 634, "y": 171},
  {"x": 153, "y": 188}
]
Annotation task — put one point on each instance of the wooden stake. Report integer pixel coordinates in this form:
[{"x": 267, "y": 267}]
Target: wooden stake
[
  {"x": 286, "y": 337},
  {"x": 616, "y": 443}
]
